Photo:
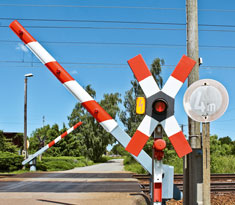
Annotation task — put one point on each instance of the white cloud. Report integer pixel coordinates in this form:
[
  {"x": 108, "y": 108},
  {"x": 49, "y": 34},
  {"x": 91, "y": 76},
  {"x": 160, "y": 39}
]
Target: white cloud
[
  {"x": 22, "y": 47},
  {"x": 74, "y": 72}
]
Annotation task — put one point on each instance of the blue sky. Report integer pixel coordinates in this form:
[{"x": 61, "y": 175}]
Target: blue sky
[{"x": 95, "y": 52}]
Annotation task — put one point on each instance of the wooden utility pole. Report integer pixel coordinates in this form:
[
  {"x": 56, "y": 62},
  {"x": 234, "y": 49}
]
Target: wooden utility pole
[
  {"x": 193, "y": 162},
  {"x": 206, "y": 163}
]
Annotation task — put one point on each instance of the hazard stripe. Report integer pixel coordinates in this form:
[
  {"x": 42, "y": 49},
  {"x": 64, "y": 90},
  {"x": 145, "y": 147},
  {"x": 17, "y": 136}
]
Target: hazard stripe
[
  {"x": 143, "y": 75},
  {"x": 139, "y": 67},
  {"x": 65, "y": 133},
  {"x": 183, "y": 68},
  {"x": 157, "y": 193},
  {"x": 149, "y": 86},
  {"x": 176, "y": 136},
  {"x": 137, "y": 143},
  {"x": 96, "y": 111},
  {"x": 109, "y": 125},
  {"x": 21, "y": 32},
  {"x": 179, "y": 75},
  {"x": 170, "y": 125},
  {"x": 40, "y": 52},
  {"x": 60, "y": 73},
  {"x": 141, "y": 135},
  {"x": 180, "y": 144},
  {"x": 172, "y": 87},
  {"x": 51, "y": 143},
  {"x": 147, "y": 125},
  {"x": 78, "y": 91}
]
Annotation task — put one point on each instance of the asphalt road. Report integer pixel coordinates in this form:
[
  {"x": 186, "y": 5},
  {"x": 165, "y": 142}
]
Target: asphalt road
[
  {"x": 114, "y": 165},
  {"x": 98, "y": 184}
]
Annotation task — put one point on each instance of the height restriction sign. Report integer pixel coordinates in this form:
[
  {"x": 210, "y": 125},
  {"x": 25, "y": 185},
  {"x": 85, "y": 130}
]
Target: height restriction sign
[{"x": 206, "y": 100}]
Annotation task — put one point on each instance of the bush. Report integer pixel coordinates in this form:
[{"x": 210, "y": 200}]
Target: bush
[
  {"x": 177, "y": 163},
  {"x": 58, "y": 165},
  {"x": 41, "y": 166},
  {"x": 10, "y": 161},
  {"x": 223, "y": 164},
  {"x": 131, "y": 165},
  {"x": 62, "y": 163}
]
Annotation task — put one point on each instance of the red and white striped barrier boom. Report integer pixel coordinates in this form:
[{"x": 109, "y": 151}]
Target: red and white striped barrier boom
[
  {"x": 105, "y": 120},
  {"x": 39, "y": 152}
]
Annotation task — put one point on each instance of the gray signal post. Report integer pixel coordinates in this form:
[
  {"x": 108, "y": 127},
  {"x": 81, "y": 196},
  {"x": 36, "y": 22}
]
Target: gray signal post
[{"x": 193, "y": 174}]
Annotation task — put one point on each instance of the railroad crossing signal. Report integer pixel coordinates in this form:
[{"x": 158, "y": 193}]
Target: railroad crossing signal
[
  {"x": 160, "y": 105},
  {"x": 105, "y": 120}
]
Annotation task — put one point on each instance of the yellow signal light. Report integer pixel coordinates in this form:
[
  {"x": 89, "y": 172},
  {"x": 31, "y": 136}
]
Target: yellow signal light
[{"x": 140, "y": 105}]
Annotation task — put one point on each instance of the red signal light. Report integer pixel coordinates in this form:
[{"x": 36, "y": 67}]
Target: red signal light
[{"x": 160, "y": 106}]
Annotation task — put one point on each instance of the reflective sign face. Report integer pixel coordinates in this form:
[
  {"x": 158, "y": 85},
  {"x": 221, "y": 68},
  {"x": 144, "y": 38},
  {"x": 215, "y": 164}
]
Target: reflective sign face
[{"x": 205, "y": 100}]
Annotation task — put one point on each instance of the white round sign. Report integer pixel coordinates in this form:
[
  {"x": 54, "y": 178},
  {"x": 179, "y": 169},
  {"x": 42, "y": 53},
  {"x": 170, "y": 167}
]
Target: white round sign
[{"x": 205, "y": 100}]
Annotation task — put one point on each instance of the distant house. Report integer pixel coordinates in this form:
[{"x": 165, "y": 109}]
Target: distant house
[{"x": 15, "y": 137}]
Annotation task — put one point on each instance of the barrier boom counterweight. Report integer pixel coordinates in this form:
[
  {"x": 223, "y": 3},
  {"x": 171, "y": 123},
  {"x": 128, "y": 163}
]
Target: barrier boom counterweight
[
  {"x": 51, "y": 143},
  {"x": 105, "y": 120}
]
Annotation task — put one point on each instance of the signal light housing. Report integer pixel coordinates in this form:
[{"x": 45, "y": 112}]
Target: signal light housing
[{"x": 160, "y": 106}]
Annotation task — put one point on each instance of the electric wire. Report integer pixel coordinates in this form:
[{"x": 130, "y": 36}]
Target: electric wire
[
  {"x": 119, "y": 28},
  {"x": 114, "y": 22},
  {"x": 110, "y": 7},
  {"x": 95, "y": 43},
  {"x": 121, "y": 65},
  {"x": 113, "y": 7}
]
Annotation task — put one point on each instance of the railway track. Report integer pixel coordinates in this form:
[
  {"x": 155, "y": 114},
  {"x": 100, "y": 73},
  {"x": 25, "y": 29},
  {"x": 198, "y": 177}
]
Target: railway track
[
  {"x": 214, "y": 177},
  {"x": 219, "y": 182}
]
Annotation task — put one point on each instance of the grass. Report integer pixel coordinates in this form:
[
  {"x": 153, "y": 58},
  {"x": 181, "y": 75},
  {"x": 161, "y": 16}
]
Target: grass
[
  {"x": 219, "y": 164},
  {"x": 223, "y": 164},
  {"x": 16, "y": 172},
  {"x": 63, "y": 163},
  {"x": 135, "y": 168}
]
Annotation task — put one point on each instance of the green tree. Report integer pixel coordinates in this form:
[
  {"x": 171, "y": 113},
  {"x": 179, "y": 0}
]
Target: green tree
[
  {"x": 93, "y": 138},
  {"x": 225, "y": 140},
  {"x": 118, "y": 149},
  {"x": 5, "y": 145},
  {"x": 50, "y": 133}
]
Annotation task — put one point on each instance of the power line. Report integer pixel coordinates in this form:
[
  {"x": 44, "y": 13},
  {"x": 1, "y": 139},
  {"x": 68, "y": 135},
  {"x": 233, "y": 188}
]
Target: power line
[
  {"x": 93, "y": 27},
  {"x": 123, "y": 65},
  {"x": 115, "y": 22},
  {"x": 78, "y": 43},
  {"x": 118, "y": 28},
  {"x": 84, "y": 6},
  {"x": 112, "y": 7},
  {"x": 75, "y": 43},
  {"x": 94, "y": 21}
]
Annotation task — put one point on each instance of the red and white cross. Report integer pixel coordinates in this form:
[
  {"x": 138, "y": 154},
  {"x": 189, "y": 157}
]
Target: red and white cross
[{"x": 151, "y": 89}]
